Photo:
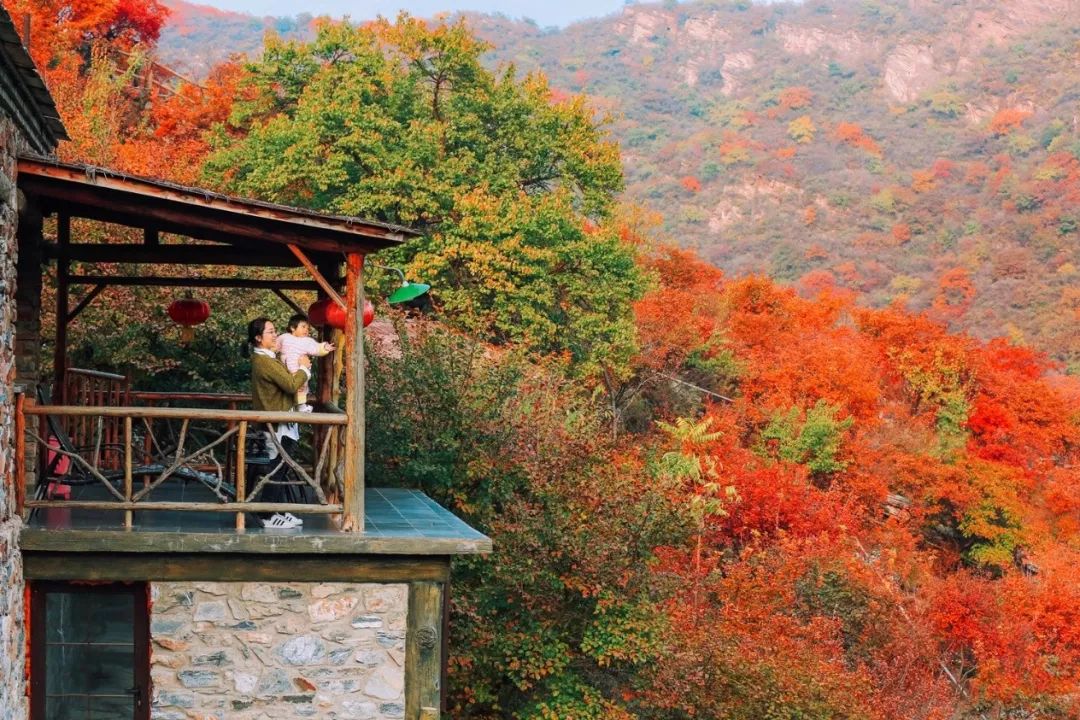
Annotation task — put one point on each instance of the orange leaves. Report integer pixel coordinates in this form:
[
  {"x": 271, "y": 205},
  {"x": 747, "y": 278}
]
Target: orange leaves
[
  {"x": 679, "y": 317},
  {"x": 795, "y": 98},
  {"x": 179, "y": 141},
  {"x": 853, "y": 135},
  {"x": 1007, "y": 120},
  {"x": 767, "y": 322},
  {"x": 62, "y": 29},
  {"x": 970, "y": 444},
  {"x": 955, "y": 293},
  {"x": 816, "y": 282},
  {"x": 922, "y": 181},
  {"x": 691, "y": 183},
  {"x": 735, "y": 149},
  {"x": 900, "y": 233}
]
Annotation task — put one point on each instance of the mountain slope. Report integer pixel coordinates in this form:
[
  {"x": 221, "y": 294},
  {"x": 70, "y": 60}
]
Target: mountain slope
[
  {"x": 923, "y": 152},
  {"x": 197, "y": 37},
  {"x": 854, "y": 143}
]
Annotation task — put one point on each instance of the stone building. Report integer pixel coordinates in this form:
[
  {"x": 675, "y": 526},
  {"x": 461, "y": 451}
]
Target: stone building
[
  {"x": 28, "y": 123},
  {"x": 128, "y": 517}
]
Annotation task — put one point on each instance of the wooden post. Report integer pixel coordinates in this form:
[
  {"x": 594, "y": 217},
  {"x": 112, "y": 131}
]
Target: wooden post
[
  {"x": 128, "y": 452},
  {"x": 326, "y": 377},
  {"x": 63, "y": 237},
  {"x": 20, "y": 452},
  {"x": 423, "y": 651},
  {"x": 354, "y": 394},
  {"x": 43, "y": 461},
  {"x": 241, "y": 470}
]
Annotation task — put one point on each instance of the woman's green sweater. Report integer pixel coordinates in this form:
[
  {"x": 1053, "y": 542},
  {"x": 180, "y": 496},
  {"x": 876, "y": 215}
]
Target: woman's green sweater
[{"x": 272, "y": 387}]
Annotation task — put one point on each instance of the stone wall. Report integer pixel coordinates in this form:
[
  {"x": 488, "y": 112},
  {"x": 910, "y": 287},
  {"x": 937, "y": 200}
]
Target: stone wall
[
  {"x": 12, "y": 616},
  {"x": 247, "y": 651}
]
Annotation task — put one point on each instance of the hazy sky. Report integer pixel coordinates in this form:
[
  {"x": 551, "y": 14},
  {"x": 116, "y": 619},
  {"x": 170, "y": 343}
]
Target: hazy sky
[{"x": 545, "y": 12}]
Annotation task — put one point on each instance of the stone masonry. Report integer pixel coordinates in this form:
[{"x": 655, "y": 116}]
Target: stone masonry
[
  {"x": 12, "y": 616},
  {"x": 264, "y": 651}
]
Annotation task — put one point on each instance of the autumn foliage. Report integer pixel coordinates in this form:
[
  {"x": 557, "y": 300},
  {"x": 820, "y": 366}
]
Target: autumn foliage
[
  {"x": 691, "y": 183},
  {"x": 853, "y": 135},
  {"x": 1007, "y": 120},
  {"x": 710, "y": 496}
]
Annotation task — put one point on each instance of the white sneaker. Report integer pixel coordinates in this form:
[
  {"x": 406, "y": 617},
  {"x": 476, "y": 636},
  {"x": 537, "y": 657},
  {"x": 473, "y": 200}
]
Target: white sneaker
[
  {"x": 277, "y": 521},
  {"x": 292, "y": 518}
]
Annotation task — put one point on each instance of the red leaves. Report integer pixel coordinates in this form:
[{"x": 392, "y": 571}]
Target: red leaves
[
  {"x": 897, "y": 576},
  {"x": 901, "y": 233}
]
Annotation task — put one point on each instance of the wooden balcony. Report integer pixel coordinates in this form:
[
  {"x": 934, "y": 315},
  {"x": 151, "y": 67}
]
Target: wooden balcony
[
  {"x": 117, "y": 469},
  {"x": 151, "y": 478}
]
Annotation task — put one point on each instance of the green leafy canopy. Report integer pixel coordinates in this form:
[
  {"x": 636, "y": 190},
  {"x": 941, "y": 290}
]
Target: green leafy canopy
[{"x": 513, "y": 189}]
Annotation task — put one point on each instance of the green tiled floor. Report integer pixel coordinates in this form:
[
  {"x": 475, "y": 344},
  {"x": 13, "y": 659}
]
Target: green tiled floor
[{"x": 394, "y": 519}]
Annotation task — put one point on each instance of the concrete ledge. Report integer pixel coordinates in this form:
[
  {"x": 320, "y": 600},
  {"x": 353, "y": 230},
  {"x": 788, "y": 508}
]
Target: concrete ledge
[
  {"x": 279, "y": 542},
  {"x": 397, "y": 521}
]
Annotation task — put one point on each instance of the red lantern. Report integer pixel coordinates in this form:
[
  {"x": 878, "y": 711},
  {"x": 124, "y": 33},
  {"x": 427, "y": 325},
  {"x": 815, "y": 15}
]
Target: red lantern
[
  {"x": 328, "y": 312},
  {"x": 188, "y": 312}
]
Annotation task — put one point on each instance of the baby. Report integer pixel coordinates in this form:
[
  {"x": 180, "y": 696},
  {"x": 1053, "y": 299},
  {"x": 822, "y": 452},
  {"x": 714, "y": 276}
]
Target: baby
[{"x": 296, "y": 343}]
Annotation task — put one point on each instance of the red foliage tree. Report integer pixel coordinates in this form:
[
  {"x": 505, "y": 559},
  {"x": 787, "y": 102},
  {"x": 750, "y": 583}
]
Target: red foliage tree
[{"x": 691, "y": 183}]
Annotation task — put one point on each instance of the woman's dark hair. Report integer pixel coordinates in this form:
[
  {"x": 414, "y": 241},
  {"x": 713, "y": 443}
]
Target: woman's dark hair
[
  {"x": 254, "y": 329},
  {"x": 295, "y": 320}
]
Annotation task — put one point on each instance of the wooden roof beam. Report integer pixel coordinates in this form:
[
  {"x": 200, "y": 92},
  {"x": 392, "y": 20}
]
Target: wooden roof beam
[
  {"x": 158, "y": 281},
  {"x": 200, "y": 223},
  {"x": 193, "y": 212},
  {"x": 172, "y": 254},
  {"x": 314, "y": 271}
]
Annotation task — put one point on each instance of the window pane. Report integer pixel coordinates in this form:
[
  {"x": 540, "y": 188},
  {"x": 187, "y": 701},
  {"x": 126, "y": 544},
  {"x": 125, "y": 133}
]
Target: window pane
[
  {"x": 64, "y": 623},
  {"x": 111, "y": 670},
  {"x": 67, "y": 669},
  {"x": 89, "y": 655},
  {"x": 110, "y": 618},
  {"x": 65, "y": 708},
  {"x": 111, "y": 708}
]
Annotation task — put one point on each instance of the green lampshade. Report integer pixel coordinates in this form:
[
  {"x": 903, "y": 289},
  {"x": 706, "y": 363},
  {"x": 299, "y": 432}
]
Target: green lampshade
[{"x": 407, "y": 292}]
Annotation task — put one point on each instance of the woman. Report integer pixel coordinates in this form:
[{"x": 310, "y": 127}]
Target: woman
[{"x": 273, "y": 389}]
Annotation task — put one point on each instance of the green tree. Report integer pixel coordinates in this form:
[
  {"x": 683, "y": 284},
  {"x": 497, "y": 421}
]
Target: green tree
[
  {"x": 514, "y": 191},
  {"x": 814, "y": 442}
]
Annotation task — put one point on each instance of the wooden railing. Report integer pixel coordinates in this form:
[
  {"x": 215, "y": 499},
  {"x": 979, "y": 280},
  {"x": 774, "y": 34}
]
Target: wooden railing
[
  {"x": 210, "y": 446},
  {"x": 94, "y": 388}
]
